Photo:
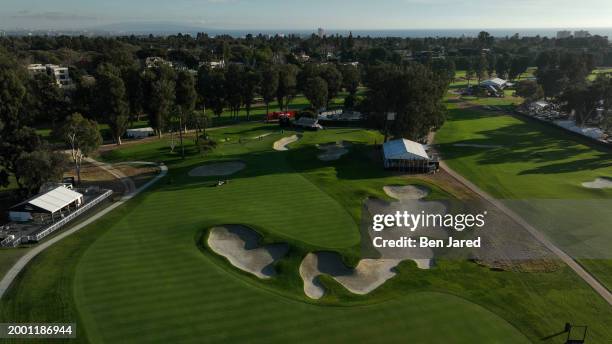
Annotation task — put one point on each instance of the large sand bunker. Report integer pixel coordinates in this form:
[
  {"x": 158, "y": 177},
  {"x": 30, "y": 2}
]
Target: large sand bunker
[
  {"x": 281, "y": 145},
  {"x": 240, "y": 245},
  {"x": 333, "y": 151},
  {"x": 218, "y": 169},
  {"x": 366, "y": 277},
  {"x": 408, "y": 192},
  {"x": 599, "y": 183}
]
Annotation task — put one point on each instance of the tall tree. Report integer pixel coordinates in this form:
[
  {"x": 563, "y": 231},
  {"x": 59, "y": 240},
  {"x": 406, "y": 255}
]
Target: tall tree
[
  {"x": 481, "y": 67},
  {"x": 250, "y": 85},
  {"x": 112, "y": 103},
  {"x": 211, "y": 88},
  {"x": 269, "y": 86},
  {"x": 350, "y": 79},
  {"x": 233, "y": 85},
  {"x": 160, "y": 87},
  {"x": 16, "y": 138},
  {"x": 333, "y": 78},
  {"x": 316, "y": 92},
  {"x": 82, "y": 137},
  {"x": 36, "y": 168},
  {"x": 287, "y": 85},
  {"x": 186, "y": 97}
]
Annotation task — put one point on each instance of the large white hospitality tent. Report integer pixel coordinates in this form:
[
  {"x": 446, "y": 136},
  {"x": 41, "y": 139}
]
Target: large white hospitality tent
[
  {"x": 405, "y": 155},
  {"x": 50, "y": 202}
]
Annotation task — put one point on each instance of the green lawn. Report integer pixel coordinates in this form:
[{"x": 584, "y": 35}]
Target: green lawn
[
  {"x": 142, "y": 274},
  {"x": 539, "y": 170}
]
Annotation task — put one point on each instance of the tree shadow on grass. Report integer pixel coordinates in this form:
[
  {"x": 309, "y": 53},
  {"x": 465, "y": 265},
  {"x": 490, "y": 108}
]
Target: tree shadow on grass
[
  {"x": 528, "y": 141},
  {"x": 359, "y": 163}
]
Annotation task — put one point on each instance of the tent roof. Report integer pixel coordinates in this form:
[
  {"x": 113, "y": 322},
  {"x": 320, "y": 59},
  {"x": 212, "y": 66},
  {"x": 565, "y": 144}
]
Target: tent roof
[
  {"x": 53, "y": 200},
  {"x": 404, "y": 150},
  {"x": 495, "y": 82}
]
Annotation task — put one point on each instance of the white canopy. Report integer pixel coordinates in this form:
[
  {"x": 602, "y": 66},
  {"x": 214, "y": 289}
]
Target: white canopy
[
  {"x": 404, "y": 150},
  {"x": 56, "y": 199},
  {"x": 497, "y": 82}
]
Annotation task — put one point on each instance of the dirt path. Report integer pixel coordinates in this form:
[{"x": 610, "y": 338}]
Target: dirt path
[
  {"x": 6, "y": 281},
  {"x": 127, "y": 182}
]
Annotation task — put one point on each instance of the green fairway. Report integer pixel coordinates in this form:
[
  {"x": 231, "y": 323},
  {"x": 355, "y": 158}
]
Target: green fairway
[
  {"x": 141, "y": 274},
  {"x": 539, "y": 169}
]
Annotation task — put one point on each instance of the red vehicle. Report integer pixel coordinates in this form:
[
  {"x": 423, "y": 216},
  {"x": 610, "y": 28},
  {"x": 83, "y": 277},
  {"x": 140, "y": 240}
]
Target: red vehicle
[{"x": 275, "y": 116}]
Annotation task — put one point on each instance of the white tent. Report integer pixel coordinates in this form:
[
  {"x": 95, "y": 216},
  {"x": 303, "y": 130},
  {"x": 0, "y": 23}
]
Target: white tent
[
  {"x": 495, "y": 82},
  {"x": 49, "y": 202},
  {"x": 407, "y": 156},
  {"x": 404, "y": 150}
]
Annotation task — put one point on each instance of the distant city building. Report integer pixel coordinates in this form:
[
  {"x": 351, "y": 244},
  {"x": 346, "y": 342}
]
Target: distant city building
[
  {"x": 582, "y": 34},
  {"x": 2, "y": 34},
  {"x": 321, "y": 32},
  {"x": 564, "y": 34},
  {"x": 61, "y": 74}
]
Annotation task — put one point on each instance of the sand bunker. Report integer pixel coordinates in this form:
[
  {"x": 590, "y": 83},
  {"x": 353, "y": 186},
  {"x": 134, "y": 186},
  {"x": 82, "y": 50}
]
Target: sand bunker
[
  {"x": 281, "y": 145},
  {"x": 405, "y": 193},
  {"x": 366, "y": 277},
  {"x": 239, "y": 245},
  {"x": 333, "y": 151},
  {"x": 599, "y": 183},
  {"x": 218, "y": 169},
  {"x": 476, "y": 146}
]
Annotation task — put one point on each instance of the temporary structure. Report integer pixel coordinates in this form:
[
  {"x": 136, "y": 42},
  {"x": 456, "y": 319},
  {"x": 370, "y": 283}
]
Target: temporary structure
[{"x": 406, "y": 155}]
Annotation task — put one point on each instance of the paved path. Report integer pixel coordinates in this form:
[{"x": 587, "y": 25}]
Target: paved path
[
  {"x": 584, "y": 274},
  {"x": 23, "y": 261}
]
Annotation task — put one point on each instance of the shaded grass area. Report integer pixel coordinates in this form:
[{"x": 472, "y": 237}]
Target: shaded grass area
[
  {"x": 141, "y": 274},
  {"x": 539, "y": 169}
]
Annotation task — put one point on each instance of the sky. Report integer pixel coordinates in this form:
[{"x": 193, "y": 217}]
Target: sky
[{"x": 309, "y": 14}]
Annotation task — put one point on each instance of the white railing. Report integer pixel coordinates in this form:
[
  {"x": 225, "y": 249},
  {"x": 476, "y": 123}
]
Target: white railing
[
  {"x": 70, "y": 217},
  {"x": 9, "y": 242}
]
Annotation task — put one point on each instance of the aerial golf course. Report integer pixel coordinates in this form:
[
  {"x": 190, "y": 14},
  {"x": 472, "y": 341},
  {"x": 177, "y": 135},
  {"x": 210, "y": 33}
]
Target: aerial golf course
[{"x": 145, "y": 272}]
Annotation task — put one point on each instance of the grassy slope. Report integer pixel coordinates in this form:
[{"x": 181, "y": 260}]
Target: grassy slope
[
  {"x": 138, "y": 274},
  {"x": 537, "y": 162}
]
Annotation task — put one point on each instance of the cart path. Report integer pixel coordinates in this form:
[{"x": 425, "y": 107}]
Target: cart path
[
  {"x": 573, "y": 264},
  {"x": 127, "y": 182},
  {"x": 10, "y": 276}
]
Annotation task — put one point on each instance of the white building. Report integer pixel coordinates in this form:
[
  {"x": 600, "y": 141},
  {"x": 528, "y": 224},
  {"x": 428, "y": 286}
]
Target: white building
[
  {"x": 321, "y": 32},
  {"x": 61, "y": 74},
  {"x": 582, "y": 34},
  {"x": 564, "y": 34}
]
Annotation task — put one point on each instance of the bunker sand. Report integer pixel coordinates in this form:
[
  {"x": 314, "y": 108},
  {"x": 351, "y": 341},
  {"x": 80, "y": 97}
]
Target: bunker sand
[
  {"x": 333, "y": 151},
  {"x": 365, "y": 278},
  {"x": 218, "y": 169},
  {"x": 599, "y": 183},
  {"x": 408, "y": 192},
  {"x": 240, "y": 245},
  {"x": 281, "y": 145}
]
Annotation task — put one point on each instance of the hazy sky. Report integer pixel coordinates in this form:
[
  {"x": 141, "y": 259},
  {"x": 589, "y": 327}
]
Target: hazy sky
[{"x": 309, "y": 14}]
